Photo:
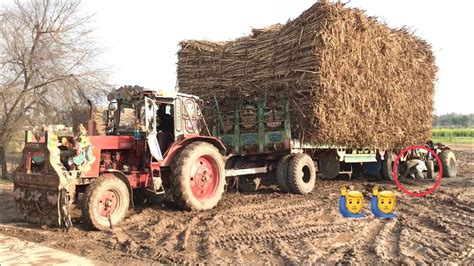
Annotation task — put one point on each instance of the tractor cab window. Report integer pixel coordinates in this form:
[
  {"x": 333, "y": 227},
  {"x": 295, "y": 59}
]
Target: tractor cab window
[
  {"x": 165, "y": 126},
  {"x": 127, "y": 119},
  {"x": 165, "y": 118}
]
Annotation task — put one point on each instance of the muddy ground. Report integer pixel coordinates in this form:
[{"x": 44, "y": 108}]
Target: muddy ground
[{"x": 272, "y": 227}]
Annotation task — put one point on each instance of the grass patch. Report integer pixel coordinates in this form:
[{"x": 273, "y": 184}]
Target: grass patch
[
  {"x": 453, "y": 135},
  {"x": 454, "y": 140}
]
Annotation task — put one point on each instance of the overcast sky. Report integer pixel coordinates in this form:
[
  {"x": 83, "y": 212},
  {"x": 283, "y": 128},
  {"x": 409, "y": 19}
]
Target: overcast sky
[{"x": 141, "y": 37}]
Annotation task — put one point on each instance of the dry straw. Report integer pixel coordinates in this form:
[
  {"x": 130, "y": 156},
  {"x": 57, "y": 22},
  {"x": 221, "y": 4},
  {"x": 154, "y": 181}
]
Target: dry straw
[{"x": 351, "y": 80}]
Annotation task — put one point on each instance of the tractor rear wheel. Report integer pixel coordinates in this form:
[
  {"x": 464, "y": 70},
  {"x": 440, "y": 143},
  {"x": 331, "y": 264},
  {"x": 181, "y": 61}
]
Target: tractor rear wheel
[
  {"x": 302, "y": 174},
  {"x": 282, "y": 173},
  {"x": 448, "y": 160},
  {"x": 198, "y": 176},
  {"x": 105, "y": 202}
]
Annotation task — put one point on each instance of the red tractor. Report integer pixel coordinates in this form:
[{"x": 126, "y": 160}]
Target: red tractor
[{"x": 152, "y": 147}]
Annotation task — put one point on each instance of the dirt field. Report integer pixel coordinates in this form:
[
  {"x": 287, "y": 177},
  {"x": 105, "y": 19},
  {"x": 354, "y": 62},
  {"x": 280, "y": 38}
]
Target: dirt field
[{"x": 271, "y": 227}]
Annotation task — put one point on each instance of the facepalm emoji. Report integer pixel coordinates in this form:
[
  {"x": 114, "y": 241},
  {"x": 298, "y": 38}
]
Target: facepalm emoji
[
  {"x": 383, "y": 203},
  {"x": 350, "y": 203}
]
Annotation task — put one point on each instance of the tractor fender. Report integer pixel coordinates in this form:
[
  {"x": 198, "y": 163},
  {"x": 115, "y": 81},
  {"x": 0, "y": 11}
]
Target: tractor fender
[
  {"x": 177, "y": 146},
  {"x": 124, "y": 178}
]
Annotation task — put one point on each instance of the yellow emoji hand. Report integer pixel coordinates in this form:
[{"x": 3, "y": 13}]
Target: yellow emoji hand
[
  {"x": 375, "y": 190},
  {"x": 343, "y": 191}
]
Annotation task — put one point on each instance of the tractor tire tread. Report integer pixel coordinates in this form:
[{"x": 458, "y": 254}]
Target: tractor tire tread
[
  {"x": 89, "y": 199},
  {"x": 181, "y": 194}
]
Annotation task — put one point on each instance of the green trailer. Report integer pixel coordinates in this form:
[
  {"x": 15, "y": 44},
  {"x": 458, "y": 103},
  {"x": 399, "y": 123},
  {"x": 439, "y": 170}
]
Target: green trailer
[{"x": 261, "y": 141}]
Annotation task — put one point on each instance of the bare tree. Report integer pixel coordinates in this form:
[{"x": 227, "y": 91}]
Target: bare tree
[{"x": 47, "y": 62}]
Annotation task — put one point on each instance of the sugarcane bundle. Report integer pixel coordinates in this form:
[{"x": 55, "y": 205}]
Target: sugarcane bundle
[{"x": 351, "y": 79}]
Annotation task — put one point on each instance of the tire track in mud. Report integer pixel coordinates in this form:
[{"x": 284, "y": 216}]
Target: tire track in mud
[
  {"x": 285, "y": 251},
  {"x": 255, "y": 211},
  {"x": 157, "y": 234},
  {"x": 357, "y": 248},
  {"x": 287, "y": 233},
  {"x": 274, "y": 228},
  {"x": 435, "y": 234},
  {"x": 306, "y": 226},
  {"x": 440, "y": 214},
  {"x": 198, "y": 238},
  {"x": 387, "y": 241}
]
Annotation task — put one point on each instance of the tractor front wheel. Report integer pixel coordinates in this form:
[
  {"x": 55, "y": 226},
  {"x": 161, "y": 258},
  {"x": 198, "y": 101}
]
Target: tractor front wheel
[
  {"x": 198, "y": 177},
  {"x": 105, "y": 202}
]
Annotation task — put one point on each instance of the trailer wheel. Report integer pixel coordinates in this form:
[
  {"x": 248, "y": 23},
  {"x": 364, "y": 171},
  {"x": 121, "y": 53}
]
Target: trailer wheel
[
  {"x": 357, "y": 170},
  {"x": 448, "y": 160},
  {"x": 282, "y": 173},
  {"x": 387, "y": 165},
  {"x": 329, "y": 165},
  {"x": 302, "y": 174},
  {"x": 248, "y": 184},
  {"x": 198, "y": 176},
  {"x": 430, "y": 173},
  {"x": 105, "y": 202}
]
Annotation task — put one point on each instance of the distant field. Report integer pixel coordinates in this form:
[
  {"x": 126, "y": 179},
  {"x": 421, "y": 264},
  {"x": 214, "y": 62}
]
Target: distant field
[{"x": 453, "y": 135}]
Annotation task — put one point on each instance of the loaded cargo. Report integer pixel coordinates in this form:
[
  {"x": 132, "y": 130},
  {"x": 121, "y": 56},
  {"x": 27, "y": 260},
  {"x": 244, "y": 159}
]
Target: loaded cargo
[{"x": 350, "y": 79}]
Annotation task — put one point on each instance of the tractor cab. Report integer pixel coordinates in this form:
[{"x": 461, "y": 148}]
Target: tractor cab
[{"x": 160, "y": 117}]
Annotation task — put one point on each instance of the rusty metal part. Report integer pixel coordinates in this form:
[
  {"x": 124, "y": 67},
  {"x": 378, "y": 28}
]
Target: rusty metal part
[{"x": 44, "y": 186}]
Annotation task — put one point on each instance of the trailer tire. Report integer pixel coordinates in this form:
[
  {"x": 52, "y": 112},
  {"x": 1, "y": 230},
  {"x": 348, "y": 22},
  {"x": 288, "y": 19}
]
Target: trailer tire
[
  {"x": 357, "y": 170},
  {"x": 329, "y": 165},
  {"x": 106, "y": 196},
  {"x": 430, "y": 169},
  {"x": 387, "y": 165},
  {"x": 302, "y": 174},
  {"x": 282, "y": 173},
  {"x": 448, "y": 161},
  {"x": 248, "y": 184},
  {"x": 198, "y": 176}
]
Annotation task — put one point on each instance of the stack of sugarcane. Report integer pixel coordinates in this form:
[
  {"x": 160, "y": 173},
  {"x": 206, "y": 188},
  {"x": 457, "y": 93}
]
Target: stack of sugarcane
[{"x": 351, "y": 80}]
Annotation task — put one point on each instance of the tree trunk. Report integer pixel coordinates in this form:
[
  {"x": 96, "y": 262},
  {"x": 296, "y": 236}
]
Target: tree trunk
[{"x": 3, "y": 163}]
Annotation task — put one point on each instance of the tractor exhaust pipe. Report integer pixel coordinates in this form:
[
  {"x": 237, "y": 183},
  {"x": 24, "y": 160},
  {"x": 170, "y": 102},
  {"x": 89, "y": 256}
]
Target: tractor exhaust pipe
[
  {"x": 91, "y": 125},
  {"x": 91, "y": 108}
]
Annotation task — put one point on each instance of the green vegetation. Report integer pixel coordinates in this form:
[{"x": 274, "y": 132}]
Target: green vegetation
[
  {"x": 453, "y": 135},
  {"x": 453, "y": 120}
]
